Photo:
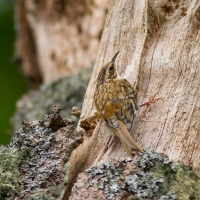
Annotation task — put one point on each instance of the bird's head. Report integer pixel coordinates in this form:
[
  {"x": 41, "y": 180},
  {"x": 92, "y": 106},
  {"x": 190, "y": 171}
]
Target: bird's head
[
  {"x": 107, "y": 72},
  {"x": 110, "y": 69}
]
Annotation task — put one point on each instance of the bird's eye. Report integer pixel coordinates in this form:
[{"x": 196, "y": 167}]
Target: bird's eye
[{"x": 111, "y": 67}]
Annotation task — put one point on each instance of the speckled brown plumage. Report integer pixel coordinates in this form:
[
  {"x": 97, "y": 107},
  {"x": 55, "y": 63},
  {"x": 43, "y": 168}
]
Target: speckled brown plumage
[{"x": 115, "y": 101}]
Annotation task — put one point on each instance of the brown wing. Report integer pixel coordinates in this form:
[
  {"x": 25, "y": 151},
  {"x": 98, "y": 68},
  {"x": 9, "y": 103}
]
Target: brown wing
[
  {"x": 116, "y": 100},
  {"x": 128, "y": 111}
]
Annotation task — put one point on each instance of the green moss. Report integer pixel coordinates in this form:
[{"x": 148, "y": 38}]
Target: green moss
[
  {"x": 197, "y": 187},
  {"x": 182, "y": 180},
  {"x": 9, "y": 174}
]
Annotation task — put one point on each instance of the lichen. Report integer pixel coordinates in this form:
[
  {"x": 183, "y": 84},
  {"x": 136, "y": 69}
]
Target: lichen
[
  {"x": 10, "y": 159},
  {"x": 144, "y": 184},
  {"x": 108, "y": 177},
  {"x": 34, "y": 144},
  {"x": 150, "y": 159},
  {"x": 169, "y": 195},
  {"x": 44, "y": 153},
  {"x": 155, "y": 178}
]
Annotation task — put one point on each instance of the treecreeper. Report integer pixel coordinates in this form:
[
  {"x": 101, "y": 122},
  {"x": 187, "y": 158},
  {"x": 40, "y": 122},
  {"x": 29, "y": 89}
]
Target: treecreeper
[{"x": 115, "y": 101}]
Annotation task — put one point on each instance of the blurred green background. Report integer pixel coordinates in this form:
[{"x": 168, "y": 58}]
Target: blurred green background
[{"x": 12, "y": 81}]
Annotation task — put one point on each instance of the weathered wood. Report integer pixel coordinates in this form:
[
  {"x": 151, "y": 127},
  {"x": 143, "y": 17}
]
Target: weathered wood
[
  {"x": 159, "y": 49},
  {"x": 59, "y": 37}
]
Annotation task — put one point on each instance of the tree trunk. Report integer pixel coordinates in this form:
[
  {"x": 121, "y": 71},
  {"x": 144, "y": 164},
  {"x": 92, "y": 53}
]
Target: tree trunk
[
  {"x": 59, "y": 37},
  {"x": 159, "y": 50}
]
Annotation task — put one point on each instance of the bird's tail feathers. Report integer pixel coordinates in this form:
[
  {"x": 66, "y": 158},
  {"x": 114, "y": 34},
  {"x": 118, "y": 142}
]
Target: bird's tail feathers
[
  {"x": 126, "y": 139},
  {"x": 126, "y": 148}
]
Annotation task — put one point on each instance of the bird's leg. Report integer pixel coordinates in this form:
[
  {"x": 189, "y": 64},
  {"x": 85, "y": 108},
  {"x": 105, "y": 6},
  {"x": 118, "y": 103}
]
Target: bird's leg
[{"x": 151, "y": 101}]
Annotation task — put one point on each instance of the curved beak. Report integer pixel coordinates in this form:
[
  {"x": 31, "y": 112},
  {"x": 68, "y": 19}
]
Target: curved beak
[{"x": 113, "y": 59}]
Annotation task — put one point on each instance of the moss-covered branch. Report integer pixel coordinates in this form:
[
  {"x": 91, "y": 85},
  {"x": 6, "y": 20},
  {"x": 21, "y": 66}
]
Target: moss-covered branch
[
  {"x": 35, "y": 158},
  {"x": 150, "y": 176}
]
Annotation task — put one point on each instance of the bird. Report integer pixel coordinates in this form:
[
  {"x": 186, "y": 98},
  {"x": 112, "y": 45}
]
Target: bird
[{"x": 115, "y": 102}]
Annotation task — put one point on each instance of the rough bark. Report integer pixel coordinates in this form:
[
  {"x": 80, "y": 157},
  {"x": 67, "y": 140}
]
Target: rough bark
[
  {"x": 44, "y": 147},
  {"x": 159, "y": 50},
  {"x": 59, "y": 37}
]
